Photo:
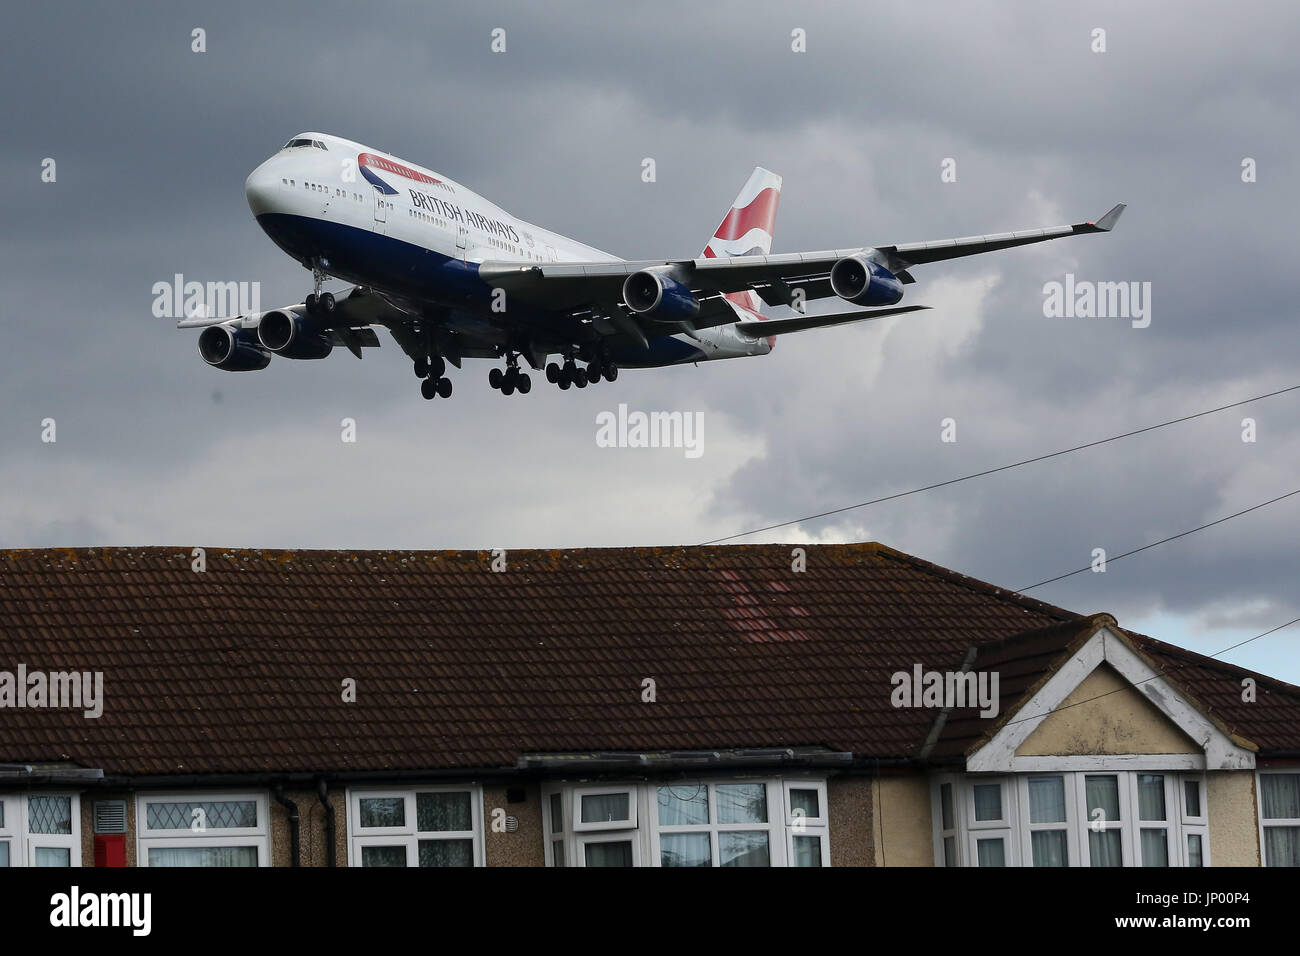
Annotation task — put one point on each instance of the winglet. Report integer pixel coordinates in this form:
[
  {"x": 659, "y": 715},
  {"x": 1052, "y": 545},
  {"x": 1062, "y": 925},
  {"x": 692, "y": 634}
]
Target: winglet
[{"x": 1107, "y": 222}]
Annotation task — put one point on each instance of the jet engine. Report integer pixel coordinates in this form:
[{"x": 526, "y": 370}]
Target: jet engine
[
  {"x": 290, "y": 334},
  {"x": 858, "y": 280},
  {"x": 232, "y": 350},
  {"x": 660, "y": 297}
]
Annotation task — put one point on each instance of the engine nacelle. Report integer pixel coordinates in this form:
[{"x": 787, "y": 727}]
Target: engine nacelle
[
  {"x": 232, "y": 350},
  {"x": 293, "y": 335},
  {"x": 858, "y": 280},
  {"x": 659, "y": 296}
]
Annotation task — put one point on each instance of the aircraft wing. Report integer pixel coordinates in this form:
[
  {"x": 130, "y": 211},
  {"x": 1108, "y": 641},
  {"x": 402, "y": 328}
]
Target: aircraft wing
[
  {"x": 802, "y": 322},
  {"x": 574, "y": 285},
  {"x": 356, "y": 307}
]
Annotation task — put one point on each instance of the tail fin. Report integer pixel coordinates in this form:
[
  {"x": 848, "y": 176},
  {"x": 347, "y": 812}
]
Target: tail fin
[
  {"x": 750, "y": 222},
  {"x": 747, "y": 231}
]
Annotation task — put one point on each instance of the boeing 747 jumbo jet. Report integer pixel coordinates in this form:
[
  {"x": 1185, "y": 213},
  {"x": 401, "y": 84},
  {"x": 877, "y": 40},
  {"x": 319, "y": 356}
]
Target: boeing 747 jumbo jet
[{"x": 453, "y": 276}]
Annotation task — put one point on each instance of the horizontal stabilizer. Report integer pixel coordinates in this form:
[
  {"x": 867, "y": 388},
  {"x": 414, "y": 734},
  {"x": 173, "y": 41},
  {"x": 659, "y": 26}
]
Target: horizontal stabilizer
[{"x": 802, "y": 322}]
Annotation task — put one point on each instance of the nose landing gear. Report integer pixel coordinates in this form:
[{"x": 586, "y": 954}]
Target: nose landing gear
[{"x": 319, "y": 304}]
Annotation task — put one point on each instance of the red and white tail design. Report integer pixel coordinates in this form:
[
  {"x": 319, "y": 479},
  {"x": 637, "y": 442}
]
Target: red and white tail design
[
  {"x": 749, "y": 224},
  {"x": 747, "y": 229}
]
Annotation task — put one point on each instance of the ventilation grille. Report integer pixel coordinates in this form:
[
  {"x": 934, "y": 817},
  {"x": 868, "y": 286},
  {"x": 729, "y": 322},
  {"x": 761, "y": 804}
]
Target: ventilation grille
[{"x": 110, "y": 816}]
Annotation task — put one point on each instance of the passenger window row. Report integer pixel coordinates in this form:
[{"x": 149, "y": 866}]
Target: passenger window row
[{"x": 317, "y": 187}]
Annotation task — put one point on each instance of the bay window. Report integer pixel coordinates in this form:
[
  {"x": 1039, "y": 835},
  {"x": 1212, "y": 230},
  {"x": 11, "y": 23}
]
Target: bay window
[{"x": 1077, "y": 818}]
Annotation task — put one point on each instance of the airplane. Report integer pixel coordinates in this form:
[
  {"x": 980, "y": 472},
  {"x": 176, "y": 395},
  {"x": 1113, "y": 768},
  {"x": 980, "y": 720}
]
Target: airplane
[{"x": 453, "y": 276}]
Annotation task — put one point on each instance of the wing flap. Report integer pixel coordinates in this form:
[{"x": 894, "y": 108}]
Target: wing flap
[{"x": 803, "y": 322}]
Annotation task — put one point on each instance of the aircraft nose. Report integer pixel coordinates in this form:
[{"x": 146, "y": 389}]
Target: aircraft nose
[{"x": 260, "y": 188}]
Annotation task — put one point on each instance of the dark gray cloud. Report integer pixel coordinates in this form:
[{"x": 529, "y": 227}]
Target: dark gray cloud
[{"x": 153, "y": 143}]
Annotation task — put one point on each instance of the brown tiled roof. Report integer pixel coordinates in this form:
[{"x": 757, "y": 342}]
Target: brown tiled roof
[
  {"x": 1272, "y": 720},
  {"x": 239, "y": 669}
]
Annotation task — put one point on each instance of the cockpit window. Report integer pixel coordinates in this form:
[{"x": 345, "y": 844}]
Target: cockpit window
[{"x": 295, "y": 143}]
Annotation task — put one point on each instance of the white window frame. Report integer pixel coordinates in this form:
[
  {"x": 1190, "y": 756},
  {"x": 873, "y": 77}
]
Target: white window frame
[
  {"x": 643, "y": 807},
  {"x": 978, "y": 830},
  {"x": 1074, "y": 812},
  {"x": 258, "y": 837},
  {"x": 823, "y": 819},
  {"x": 819, "y": 834},
  {"x": 408, "y": 835},
  {"x": 575, "y": 835},
  {"x": 818, "y": 826},
  {"x": 605, "y": 836},
  {"x": 23, "y": 844},
  {"x": 628, "y": 823},
  {"x": 1017, "y": 828},
  {"x": 1126, "y": 794},
  {"x": 1265, "y": 822},
  {"x": 774, "y": 798},
  {"x": 10, "y": 830},
  {"x": 943, "y": 834},
  {"x": 551, "y": 835},
  {"x": 1194, "y": 825},
  {"x": 1173, "y": 813}
]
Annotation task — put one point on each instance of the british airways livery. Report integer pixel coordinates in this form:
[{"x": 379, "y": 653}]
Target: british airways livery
[{"x": 453, "y": 276}]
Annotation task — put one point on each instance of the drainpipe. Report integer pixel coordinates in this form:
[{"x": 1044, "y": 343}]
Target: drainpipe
[
  {"x": 322, "y": 794},
  {"x": 292, "y": 807}
]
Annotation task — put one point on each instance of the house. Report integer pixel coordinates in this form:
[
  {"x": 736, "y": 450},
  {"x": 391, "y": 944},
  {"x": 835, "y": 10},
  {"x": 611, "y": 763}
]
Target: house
[{"x": 842, "y": 705}]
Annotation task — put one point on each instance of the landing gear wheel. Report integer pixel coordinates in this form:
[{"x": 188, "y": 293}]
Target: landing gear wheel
[
  {"x": 524, "y": 383},
  {"x": 494, "y": 378},
  {"x": 564, "y": 382},
  {"x": 611, "y": 373},
  {"x": 325, "y": 304},
  {"x": 511, "y": 378},
  {"x": 508, "y": 387},
  {"x": 421, "y": 368},
  {"x": 552, "y": 373},
  {"x": 310, "y": 303},
  {"x": 437, "y": 367},
  {"x": 429, "y": 388},
  {"x": 580, "y": 377},
  {"x": 593, "y": 373},
  {"x": 444, "y": 388}
]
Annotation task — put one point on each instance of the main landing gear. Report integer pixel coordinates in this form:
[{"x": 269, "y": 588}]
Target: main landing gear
[
  {"x": 570, "y": 373},
  {"x": 434, "y": 384},
  {"x": 512, "y": 379},
  {"x": 319, "y": 304}
]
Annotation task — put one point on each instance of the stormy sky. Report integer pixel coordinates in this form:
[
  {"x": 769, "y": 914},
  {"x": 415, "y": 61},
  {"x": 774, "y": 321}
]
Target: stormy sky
[{"x": 152, "y": 143}]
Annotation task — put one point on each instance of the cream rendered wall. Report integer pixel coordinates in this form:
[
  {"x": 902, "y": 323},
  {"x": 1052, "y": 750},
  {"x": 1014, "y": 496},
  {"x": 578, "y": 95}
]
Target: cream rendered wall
[
  {"x": 901, "y": 821},
  {"x": 1119, "y": 721}
]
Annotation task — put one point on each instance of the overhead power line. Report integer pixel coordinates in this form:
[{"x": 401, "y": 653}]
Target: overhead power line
[{"x": 994, "y": 471}]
